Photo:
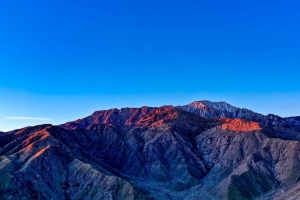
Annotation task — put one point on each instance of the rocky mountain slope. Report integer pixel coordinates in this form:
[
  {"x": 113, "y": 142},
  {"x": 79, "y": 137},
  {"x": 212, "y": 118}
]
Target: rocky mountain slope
[
  {"x": 208, "y": 109},
  {"x": 203, "y": 150}
]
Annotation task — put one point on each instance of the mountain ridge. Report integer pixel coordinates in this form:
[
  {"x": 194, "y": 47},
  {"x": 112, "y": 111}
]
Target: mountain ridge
[
  {"x": 190, "y": 152},
  {"x": 205, "y": 109}
]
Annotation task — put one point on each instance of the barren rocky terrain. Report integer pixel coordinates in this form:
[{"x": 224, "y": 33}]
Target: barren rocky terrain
[{"x": 203, "y": 150}]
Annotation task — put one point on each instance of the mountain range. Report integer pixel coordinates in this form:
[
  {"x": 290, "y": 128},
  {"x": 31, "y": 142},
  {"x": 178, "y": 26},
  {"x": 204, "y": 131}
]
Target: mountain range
[{"x": 203, "y": 150}]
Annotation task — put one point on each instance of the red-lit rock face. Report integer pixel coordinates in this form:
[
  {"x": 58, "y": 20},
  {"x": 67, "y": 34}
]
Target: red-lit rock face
[
  {"x": 239, "y": 125},
  {"x": 160, "y": 116},
  {"x": 40, "y": 152}
]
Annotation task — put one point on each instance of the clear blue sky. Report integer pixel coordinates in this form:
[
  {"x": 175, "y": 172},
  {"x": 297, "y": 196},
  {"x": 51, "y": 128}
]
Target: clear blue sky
[{"x": 63, "y": 60}]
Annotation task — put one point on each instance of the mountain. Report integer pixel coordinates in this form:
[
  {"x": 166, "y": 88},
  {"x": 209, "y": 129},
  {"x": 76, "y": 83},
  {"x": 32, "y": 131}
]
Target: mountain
[
  {"x": 203, "y": 150},
  {"x": 112, "y": 116},
  {"x": 208, "y": 109},
  {"x": 293, "y": 122},
  {"x": 205, "y": 109}
]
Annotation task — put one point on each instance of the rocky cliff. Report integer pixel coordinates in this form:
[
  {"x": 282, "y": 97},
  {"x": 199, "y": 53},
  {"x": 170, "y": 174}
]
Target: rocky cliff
[{"x": 198, "y": 151}]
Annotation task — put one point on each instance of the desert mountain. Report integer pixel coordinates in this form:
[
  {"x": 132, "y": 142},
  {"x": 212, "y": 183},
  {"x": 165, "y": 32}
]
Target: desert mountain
[
  {"x": 208, "y": 109},
  {"x": 203, "y": 150}
]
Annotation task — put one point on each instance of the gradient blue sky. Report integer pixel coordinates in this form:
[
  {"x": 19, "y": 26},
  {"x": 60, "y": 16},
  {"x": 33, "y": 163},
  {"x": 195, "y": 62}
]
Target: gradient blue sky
[{"x": 63, "y": 60}]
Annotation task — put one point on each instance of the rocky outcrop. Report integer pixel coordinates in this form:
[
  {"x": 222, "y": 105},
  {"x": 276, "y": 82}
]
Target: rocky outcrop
[
  {"x": 153, "y": 153},
  {"x": 239, "y": 125}
]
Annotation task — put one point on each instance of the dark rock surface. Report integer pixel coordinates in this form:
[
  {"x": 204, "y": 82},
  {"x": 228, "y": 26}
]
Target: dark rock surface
[
  {"x": 293, "y": 122},
  {"x": 213, "y": 151}
]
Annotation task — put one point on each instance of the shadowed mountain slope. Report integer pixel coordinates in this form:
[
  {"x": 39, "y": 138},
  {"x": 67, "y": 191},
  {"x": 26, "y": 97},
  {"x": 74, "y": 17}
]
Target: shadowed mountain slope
[{"x": 152, "y": 153}]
